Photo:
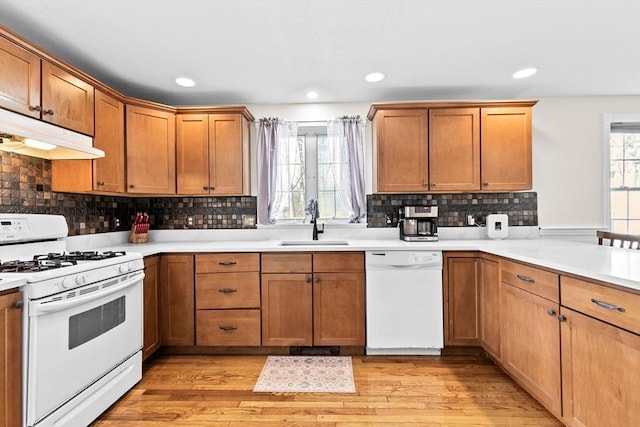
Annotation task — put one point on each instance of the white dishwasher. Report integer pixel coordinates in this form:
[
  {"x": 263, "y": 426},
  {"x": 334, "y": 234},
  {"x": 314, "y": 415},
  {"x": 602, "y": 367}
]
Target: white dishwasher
[{"x": 404, "y": 302}]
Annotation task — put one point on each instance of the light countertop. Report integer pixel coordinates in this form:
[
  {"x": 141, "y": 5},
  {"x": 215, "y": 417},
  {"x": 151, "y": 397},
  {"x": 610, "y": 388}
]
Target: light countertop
[
  {"x": 10, "y": 283},
  {"x": 613, "y": 265}
]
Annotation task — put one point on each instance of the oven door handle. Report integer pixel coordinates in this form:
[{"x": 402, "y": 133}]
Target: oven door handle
[{"x": 38, "y": 308}]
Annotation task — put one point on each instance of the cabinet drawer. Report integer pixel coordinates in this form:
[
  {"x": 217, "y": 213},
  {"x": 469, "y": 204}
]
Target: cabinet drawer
[
  {"x": 540, "y": 282},
  {"x": 227, "y": 262},
  {"x": 227, "y": 327},
  {"x": 336, "y": 262},
  {"x": 290, "y": 262},
  {"x": 228, "y": 290},
  {"x": 613, "y": 306}
]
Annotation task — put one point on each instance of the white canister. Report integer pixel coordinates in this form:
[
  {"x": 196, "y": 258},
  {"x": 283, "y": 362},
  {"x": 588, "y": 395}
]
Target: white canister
[{"x": 497, "y": 226}]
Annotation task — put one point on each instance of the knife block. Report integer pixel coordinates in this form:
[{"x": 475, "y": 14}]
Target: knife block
[{"x": 137, "y": 237}]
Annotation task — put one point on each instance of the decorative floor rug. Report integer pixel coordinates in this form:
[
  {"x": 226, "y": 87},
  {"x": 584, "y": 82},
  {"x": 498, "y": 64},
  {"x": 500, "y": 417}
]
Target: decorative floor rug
[{"x": 306, "y": 374}]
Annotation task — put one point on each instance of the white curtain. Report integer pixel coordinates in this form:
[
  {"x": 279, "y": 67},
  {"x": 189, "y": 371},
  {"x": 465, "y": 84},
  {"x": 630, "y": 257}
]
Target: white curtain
[
  {"x": 348, "y": 134},
  {"x": 272, "y": 133}
]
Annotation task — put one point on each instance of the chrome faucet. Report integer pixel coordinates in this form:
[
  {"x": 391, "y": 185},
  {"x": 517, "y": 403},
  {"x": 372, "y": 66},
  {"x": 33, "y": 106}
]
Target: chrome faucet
[{"x": 312, "y": 210}]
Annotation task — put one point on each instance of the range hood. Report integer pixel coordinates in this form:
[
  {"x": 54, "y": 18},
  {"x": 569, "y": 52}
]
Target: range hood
[{"x": 25, "y": 135}]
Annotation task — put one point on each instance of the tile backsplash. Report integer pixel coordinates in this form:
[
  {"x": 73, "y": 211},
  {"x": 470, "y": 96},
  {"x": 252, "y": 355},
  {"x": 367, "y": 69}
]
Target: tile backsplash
[{"x": 25, "y": 187}]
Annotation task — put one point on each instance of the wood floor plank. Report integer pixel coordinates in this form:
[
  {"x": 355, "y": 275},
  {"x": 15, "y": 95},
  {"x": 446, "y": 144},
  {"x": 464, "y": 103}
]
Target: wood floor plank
[{"x": 216, "y": 391}]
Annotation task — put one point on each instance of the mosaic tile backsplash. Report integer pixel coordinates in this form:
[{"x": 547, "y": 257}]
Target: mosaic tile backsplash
[
  {"x": 25, "y": 187},
  {"x": 522, "y": 207}
]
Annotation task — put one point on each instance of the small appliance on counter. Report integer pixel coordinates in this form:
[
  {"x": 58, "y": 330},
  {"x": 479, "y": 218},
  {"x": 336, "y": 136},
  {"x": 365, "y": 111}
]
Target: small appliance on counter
[
  {"x": 497, "y": 226},
  {"x": 419, "y": 223}
]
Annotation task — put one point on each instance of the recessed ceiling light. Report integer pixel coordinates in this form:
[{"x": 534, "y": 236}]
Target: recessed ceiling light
[
  {"x": 185, "y": 82},
  {"x": 374, "y": 77},
  {"x": 312, "y": 94},
  {"x": 525, "y": 72}
]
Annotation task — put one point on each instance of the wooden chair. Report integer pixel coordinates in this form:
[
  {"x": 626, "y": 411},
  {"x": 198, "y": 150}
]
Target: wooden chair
[{"x": 630, "y": 241}]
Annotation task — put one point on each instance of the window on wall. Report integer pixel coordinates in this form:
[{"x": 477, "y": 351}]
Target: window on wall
[
  {"x": 624, "y": 176},
  {"x": 308, "y": 166}
]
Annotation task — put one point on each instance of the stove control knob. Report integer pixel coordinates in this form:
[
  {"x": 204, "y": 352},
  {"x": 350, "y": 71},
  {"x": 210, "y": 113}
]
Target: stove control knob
[
  {"x": 81, "y": 280},
  {"x": 67, "y": 282},
  {"x": 124, "y": 268}
]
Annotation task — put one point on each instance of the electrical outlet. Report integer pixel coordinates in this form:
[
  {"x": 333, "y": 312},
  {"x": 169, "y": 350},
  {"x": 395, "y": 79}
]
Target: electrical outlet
[
  {"x": 471, "y": 220},
  {"x": 190, "y": 221}
]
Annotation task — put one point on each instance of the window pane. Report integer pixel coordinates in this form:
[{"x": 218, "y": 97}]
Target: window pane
[
  {"x": 619, "y": 226},
  {"x": 619, "y": 204},
  {"x": 324, "y": 150},
  {"x": 634, "y": 204},
  {"x": 616, "y": 146},
  {"x": 296, "y": 178},
  {"x": 632, "y": 173},
  {"x": 634, "y": 227},
  {"x": 632, "y": 145},
  {"x": 326, "y": 178},
  {"x": 326, "y": 204},
  {"x": 616, "y": 174}
]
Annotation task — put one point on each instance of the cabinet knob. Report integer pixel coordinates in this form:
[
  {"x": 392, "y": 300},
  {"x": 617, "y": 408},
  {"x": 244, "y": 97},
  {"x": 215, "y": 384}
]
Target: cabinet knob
[
  {"x": 433, "y": 184},
  {"x": 562, "y": 318},
  {"x": 317, "y": 280},
  {"x": 308, "y": 279},
  {"x": 49, "y": 112},
  {"x": 18, "y": 304},
  {"x": 484, "y": 184},
  {"x": 426, "y": 184},
  {"x": 212, "y": 188},
  {"x": 132, "y": 186},
  {"x": 37, "y": 108},
  {"x": 100, "y": 182},
  {"x": 551, "y": 312}
]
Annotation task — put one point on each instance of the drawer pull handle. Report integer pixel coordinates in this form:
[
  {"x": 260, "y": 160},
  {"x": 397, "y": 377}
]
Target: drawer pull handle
[
  {"x": 607, "y": 306},
  {"x": 526, "y": 279},
  {"x": 228, "y": 328},
  {"x": 227, "y": 263},
  {"x": 227, "y": 291}
]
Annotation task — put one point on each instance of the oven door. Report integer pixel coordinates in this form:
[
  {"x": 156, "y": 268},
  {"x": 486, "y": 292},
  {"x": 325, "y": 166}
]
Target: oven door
[{"x": 77, "y": 339}]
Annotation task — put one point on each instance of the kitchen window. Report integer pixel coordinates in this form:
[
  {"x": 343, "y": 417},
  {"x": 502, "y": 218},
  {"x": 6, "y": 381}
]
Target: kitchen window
[
  {"x": 624, "y": 175},
  {"x": 307, "y": 168}
]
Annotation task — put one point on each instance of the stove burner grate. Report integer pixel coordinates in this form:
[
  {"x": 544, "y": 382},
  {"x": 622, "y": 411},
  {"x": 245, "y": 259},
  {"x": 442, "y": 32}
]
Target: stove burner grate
[{"x": 18, "y": 266}]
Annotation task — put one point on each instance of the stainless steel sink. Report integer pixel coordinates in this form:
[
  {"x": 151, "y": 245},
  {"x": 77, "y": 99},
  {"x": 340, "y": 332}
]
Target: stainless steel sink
[{"x": 313, "y": 243}]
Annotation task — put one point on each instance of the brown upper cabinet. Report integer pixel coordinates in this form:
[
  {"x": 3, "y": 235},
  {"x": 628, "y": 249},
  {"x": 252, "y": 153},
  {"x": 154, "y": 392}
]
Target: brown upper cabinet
[
  {"x": 400, "y": 151},
  {"x": 151, "y": 150},
  {"x": 212, "y": 153},
  {"x": 106, "y": 174},
  {"x": 42, "y": 90},
  {"x": 453, "y": 146}
]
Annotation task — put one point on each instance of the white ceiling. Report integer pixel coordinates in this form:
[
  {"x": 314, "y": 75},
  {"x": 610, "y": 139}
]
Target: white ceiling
[{"x": 274, "y": 51}]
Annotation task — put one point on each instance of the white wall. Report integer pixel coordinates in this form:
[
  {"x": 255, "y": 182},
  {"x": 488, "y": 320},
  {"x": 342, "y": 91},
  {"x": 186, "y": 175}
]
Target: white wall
[{"x": 568, "y": 163}]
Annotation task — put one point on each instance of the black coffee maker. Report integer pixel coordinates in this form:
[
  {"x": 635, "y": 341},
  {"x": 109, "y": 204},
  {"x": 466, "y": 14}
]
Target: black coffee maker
[{"x": 419, "y": 223}]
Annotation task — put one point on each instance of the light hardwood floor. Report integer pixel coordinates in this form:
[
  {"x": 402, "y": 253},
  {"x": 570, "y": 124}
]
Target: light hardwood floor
[{"x": 391, "y": 391}]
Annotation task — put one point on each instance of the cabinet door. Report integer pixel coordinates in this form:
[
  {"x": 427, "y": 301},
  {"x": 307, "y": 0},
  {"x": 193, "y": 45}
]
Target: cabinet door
[
  {"x": 107, "y": 173},
  {"x": 228, "y": 154},
  {"x": 338, "y": 309},
  {"x": 506, "y": 148},
  {"x": 192, "y": 154},
  {"x": 151, "y": 151},
  {"x": 67, "y": 101},
  {"x": 531, "y": 344},
  {"x": 400, "y": 151},
  {"x": 454, "y": 149},
  {"x": 151, "y": 326},
  {"x": 461, "y": 292},
  {"x": 20, "y": 82},
  {"x": 177, "y": 304},
  {"x": 490, "y": 306},
  {"x": 10, "y": 360},
  {"x": 600, "y": 373},
  {"x": 287, "y": 309}
]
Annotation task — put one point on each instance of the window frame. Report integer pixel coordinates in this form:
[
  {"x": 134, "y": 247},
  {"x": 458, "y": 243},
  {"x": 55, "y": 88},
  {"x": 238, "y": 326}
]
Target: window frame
[{"x": 608, "y": 120}]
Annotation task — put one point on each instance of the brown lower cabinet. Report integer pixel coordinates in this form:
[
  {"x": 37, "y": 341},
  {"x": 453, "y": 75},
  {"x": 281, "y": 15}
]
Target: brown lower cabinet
[
  {"x": 10, "y": 358},
  {"x": 490, "y": 305},
  {"x": 461, "y": 298},
  {"x": 151, "y": 295},
  {"x": 313, "y": 299},
  {"x": 177, "y": 300}
]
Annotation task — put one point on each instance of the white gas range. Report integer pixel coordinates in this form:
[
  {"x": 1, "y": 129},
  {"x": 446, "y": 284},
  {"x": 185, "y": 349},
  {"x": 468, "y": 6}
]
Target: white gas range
[{"x": 82, "y": 321}]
